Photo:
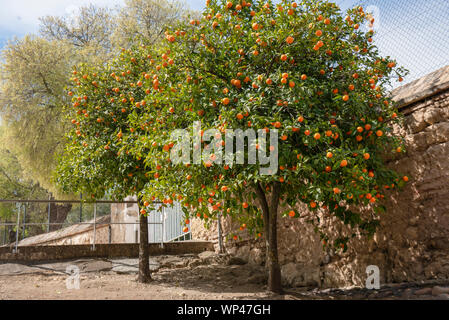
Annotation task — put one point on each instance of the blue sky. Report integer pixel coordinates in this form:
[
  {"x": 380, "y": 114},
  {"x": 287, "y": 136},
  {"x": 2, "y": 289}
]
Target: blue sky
[
  {"x": 18, "y": 17},
  {"x": 416, "y": 32}
]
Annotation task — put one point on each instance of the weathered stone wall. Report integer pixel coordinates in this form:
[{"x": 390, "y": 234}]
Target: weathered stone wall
[
  {"x": 412, "y": 243},
  {"x": 101, "y": 236},
  {"x": 129, "y": 250}
]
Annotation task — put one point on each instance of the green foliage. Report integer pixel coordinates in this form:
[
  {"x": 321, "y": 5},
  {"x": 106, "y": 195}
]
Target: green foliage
[
  {"x": 13, "y": 183},
  {"x": 303, "y": 69}
]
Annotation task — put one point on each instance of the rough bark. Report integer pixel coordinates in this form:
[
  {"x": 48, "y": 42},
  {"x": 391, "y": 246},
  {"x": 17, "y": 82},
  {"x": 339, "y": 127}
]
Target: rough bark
[
  {"x": 144, "y": 250},
  {"x": 58, "y": 214},
  {"x": 270, "y": 226}
]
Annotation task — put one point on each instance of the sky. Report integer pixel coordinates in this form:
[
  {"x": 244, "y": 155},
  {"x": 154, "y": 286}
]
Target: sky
[
  {"x": 19, "y": 17},
  {"x": 413, "y": 31}
]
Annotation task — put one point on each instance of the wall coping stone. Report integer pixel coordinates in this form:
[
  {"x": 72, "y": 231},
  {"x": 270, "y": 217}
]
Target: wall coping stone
[{"x": 422, "y": 88}]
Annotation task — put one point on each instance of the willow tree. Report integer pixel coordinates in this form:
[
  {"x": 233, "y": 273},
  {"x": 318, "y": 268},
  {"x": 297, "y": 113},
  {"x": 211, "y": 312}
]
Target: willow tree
[
  {"x": 304, "y": 71},
  {"x": 35, "y": 70}
]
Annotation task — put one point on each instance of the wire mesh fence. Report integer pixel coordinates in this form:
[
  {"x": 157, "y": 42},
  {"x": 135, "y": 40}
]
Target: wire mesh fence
[{"x": 415, "y": 32}]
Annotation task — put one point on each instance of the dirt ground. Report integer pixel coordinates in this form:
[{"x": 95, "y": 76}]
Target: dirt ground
[
  {"x": 176, "y": 278},
  {"x": 199, "y": 283}
]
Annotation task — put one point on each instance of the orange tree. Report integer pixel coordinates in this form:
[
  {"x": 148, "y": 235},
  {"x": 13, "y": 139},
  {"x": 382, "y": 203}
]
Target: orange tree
[
  {"x": 302, "y": 68},
  {"x": 96, "y": 160}
]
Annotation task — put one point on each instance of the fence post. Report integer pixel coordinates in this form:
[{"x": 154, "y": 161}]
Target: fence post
[
  {"x": 220, "y": 239},
  {"x": 95, "y": 225},
  {"x": 24, "y": 220},
  {"x": 48, "y": 219},
  {"x": 17, "y": 228},
  {"x": 81, "y": 207},
  {"x": 5, "y": 231},
  {"x": 162, "y": 227}
]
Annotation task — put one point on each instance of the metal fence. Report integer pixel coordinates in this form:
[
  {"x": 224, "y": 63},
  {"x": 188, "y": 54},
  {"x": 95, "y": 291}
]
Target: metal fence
[{"x": 164, "y": 225}]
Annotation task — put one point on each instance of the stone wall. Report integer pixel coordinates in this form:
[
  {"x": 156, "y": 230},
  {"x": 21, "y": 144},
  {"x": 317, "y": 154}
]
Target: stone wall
[
  {"x": 128, "y": 250},
  {"x": 412, "y": 243},
  {"x": 80, "y": 233}
]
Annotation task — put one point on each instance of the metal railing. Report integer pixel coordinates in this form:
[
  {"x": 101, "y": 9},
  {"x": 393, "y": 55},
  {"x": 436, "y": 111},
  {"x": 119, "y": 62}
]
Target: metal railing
[{"x": 165, "y": 231}]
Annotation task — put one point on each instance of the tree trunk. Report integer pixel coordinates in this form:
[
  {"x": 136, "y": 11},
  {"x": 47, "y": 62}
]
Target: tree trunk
[
  {"x": 144, "y": 249},
  {"x": 270, "y": 227},
  {"x": 58, "y": 214}
]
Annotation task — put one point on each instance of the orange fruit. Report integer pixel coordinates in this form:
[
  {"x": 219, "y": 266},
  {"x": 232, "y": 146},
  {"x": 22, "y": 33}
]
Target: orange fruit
[
  {"x": 366, "y": 156},
  {"x": 292, "y": 214},
  {"x": 344, "y": 163}
]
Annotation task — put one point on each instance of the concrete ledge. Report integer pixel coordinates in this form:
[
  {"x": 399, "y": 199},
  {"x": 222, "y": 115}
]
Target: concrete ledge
[
  {"x": 422, "y": 88},
  {"x": 45, "y": 253}
]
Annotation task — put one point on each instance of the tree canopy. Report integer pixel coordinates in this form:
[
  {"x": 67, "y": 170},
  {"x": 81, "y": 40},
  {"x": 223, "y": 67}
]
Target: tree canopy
[{"x": 301, "y": 72}]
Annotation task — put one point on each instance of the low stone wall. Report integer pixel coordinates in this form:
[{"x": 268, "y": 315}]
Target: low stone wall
[
  {"x": 35, "y": 253},
  {"x": 412, "y": 243}
]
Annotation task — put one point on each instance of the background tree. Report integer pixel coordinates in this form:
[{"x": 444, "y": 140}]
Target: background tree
[
  {"x": 33, "y": 78},
  {"x": 301, "y": 68},
  {"x": 35, "y": 70},
  {"x": 15, "y": 185},
  {"x": 88, "y": 31},
  {"x": 147, "y": 19}
]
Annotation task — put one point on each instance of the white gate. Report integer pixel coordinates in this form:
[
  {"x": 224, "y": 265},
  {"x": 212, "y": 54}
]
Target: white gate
[{"x": 167, "y": 226}]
